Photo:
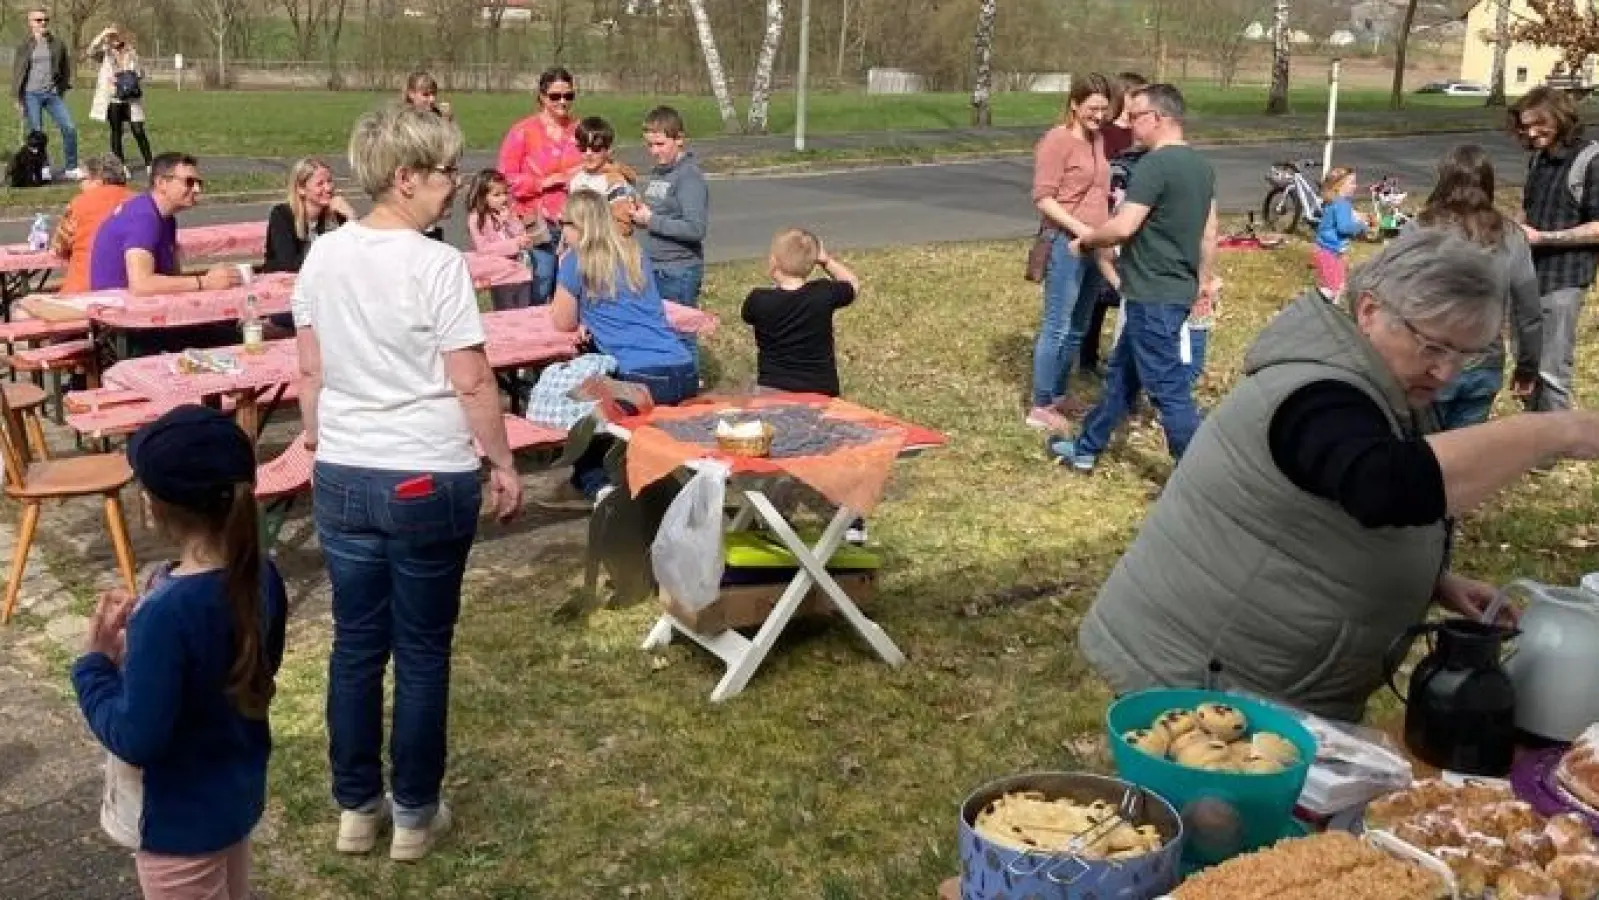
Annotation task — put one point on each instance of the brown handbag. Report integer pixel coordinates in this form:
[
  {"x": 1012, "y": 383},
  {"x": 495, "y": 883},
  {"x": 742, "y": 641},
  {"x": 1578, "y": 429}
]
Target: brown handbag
[{"x": 1038, "y": 256}]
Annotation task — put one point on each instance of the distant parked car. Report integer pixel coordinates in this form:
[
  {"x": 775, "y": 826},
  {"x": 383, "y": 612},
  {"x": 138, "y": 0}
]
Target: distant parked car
[
  {"x": 1454, "y": 88},
  {"x": 1433, "y": 87}
]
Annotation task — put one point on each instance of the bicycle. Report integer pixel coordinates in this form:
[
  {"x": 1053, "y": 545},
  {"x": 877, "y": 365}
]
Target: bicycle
[{"x": 1292, "y": 198}]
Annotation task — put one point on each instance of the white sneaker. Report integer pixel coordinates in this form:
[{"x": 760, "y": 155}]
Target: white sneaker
[
  {"x": 413, "y": 844},
  {"x": 358, "y": 831},
  {"x": 73, "y": 174}
]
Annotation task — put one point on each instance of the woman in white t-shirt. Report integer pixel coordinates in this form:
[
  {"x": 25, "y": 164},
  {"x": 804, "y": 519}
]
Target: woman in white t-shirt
[{"x": 391, "y": 412}]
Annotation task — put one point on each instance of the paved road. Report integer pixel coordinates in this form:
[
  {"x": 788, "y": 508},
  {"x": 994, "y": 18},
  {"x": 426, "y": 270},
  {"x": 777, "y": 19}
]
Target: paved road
[{"x": 983, "y": 199}]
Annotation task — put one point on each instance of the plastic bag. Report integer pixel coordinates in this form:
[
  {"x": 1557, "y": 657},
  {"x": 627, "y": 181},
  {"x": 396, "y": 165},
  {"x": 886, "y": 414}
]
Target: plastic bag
[
  {"x": 687, "y": 551},
  {"x": 122, "y": 802}
]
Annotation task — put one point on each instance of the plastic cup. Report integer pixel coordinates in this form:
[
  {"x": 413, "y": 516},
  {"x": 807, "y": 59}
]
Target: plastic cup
[{"x": 246, "y": 273}]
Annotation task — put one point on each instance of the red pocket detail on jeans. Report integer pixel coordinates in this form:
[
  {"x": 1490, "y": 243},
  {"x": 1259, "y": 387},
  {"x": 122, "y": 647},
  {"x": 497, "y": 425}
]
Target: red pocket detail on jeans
[{"x": 414, "y": 488}]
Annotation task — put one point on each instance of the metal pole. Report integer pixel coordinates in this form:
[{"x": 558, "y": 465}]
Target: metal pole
[
  {"x": 1332, "y": 117},
  {"x": 804, "y": 74}
]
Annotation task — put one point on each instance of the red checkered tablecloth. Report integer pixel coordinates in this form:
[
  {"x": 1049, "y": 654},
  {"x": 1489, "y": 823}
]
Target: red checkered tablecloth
[{"x": 243, "y": 239}]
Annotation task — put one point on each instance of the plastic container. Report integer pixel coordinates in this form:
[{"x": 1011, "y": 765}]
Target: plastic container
[
  {"x": 39, "y": 234},
  {"x": 1224, "y": 813},
  {"x": 990, "y": 871}
]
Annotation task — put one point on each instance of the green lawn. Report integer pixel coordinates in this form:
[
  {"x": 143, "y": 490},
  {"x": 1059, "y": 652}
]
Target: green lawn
[
  {"x": 291, "y": 123},
  {"x": 583, "y": 766}
]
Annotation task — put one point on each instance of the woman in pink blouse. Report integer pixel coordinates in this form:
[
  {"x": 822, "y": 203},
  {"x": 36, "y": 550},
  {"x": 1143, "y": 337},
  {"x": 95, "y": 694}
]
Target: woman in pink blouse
[{"x": 538, "y": 158}]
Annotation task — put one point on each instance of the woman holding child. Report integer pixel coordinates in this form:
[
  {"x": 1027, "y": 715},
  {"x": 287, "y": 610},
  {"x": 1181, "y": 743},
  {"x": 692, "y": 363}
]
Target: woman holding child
[
  {"x": 1071, "y": 189},
  {"x": 1309, "y": 523}
]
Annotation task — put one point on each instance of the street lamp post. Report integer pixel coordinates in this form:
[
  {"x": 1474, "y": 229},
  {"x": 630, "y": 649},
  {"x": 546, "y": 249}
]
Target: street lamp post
[{"x": 804, "y": 74}]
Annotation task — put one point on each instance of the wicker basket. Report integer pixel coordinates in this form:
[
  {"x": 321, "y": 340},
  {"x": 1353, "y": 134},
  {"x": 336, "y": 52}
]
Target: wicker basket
[{"x": 756, "y": 446}]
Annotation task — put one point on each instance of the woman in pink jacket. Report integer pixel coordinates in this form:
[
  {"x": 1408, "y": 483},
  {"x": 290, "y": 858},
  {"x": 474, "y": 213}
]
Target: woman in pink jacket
[{"x": 538, "y": 157}]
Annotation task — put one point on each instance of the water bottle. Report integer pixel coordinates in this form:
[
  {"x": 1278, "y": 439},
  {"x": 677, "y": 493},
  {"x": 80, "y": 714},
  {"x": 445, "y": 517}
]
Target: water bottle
[
  {"x": 251, "y": 325},
  {"x": 39, "y": 234}
]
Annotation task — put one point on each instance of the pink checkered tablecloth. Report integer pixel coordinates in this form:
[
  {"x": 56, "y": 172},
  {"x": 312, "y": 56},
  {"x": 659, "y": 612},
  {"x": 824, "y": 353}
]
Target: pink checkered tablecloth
[
  {"x": 243, "y": 239},
  {"x": 193, "y": 308}
]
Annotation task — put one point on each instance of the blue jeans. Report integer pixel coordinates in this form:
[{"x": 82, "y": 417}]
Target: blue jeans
[
  {"x": 36, "y": 103},
  {"x": 1071, "y": 284},
  {"x": 1469, "y": 398},
  {"x": 681, "y": 284},
  {"x": 542, "y": 260},
  {"x": 1147, "y": 357},
  {"x": 668, "y": 386},
  {"x": 395, "y": 565}
]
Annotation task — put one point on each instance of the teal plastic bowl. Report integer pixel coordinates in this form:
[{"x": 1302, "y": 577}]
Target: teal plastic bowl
[{"x": 1224, "y": 813}]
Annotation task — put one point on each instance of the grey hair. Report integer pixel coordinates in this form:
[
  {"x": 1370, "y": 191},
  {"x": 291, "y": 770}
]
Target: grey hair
[
  {"x": 1433, "y": 274},
  {"x": 1166, "y": 100},
  {"x": 107, "y": 169},
  {"x": 395, "y": 137}
]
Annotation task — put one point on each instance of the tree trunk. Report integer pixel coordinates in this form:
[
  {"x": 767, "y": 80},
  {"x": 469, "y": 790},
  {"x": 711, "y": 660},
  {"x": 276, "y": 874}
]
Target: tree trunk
[
  {"x": 1496, "y": 84},
  {"x": 1396, "y": 100},
  {"x": 335, "y": 34},
  {"x": 761, "y": 84},
  {"x": 843, "y": 41},
  {"x": 1277, "y": 100},
  {"x": 1161, "y": 50},
  {"x": 221, "y": 35},
  {"x": 713, "y": 66},
  {"x": 983, "y": 54}
]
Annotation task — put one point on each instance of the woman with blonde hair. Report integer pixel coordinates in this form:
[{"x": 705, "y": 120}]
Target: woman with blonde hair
[
  {"x": 118, "y": 90},
  {"x": 391, "y": 414},
  {"x": 313, "y": 208},
  {"x": 604, "y": 285}
]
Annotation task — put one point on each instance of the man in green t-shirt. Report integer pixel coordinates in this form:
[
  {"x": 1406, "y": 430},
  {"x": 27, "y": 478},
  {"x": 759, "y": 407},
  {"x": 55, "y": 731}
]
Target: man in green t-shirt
[{"x": 1167, "y": 231}]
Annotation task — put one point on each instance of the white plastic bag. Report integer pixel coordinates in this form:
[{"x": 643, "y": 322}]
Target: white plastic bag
[
  {"x": 122, "y": 802},
  {"x": 687, "y": 552}
]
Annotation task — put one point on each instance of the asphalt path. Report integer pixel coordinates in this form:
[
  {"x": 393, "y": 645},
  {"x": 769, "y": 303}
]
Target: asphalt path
[{"x": 967, "y": 200}]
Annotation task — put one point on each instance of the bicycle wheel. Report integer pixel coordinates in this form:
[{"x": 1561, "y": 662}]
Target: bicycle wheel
[{"x": 1281, "y": 211}]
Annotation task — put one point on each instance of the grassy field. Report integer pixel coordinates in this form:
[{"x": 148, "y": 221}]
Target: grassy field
[
  {"x": 584, "y": 767},
  {"x": 291, "y": 123}
]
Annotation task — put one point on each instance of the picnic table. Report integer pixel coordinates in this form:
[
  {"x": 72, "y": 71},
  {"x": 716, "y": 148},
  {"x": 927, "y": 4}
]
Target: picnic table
[
  {"x": 24, "y": 270},
  {"x": 139, "y": 390},
  {"x": 850, "y": 478}
]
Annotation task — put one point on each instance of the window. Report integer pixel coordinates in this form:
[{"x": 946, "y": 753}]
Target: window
[{"x": 1521, "y": 74}]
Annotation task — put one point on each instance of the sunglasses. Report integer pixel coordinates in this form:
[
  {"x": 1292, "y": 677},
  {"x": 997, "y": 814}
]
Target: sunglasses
[
  {"x": 562, "y": 97},
  {"x": 595, "y": 146},
  {"x": 190, "y": 182}
]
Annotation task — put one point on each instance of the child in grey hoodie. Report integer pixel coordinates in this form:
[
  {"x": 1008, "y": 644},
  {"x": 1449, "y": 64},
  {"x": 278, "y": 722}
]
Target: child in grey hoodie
[{"x": 674, "y": 209}]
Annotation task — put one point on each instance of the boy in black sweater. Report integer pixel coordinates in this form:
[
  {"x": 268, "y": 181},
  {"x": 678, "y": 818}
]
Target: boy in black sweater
[{"x": 793, "y": 322}]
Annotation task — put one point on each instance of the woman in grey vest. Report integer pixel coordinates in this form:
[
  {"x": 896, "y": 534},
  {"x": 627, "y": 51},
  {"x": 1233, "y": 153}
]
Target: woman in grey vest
[{"x": 1308, "y": 525}]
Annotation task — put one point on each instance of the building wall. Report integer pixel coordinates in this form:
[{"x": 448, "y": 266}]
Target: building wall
[{"x": 1526, "y": 66}]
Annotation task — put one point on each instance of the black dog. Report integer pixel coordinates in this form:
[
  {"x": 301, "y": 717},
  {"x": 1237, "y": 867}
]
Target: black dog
[{"x": 29, "y": 162}]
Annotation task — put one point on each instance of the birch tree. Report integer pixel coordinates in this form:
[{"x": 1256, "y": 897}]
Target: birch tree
[
  {"x": 761, "y": 83},
  {"x": 983, "y": 56},
  {"x": 220, "y": 18},
  {"x": 1396, "y": 99},
  {"x": 713, "y": 66},
  {"x": 1277, "y": 99},
  {"x": 1496, "y": 84}
]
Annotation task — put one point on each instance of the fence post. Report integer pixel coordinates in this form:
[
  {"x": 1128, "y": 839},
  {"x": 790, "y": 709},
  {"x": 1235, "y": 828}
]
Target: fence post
[
  {"x": 804, "y": 74},
  {"x": 1332, "y": 116}
]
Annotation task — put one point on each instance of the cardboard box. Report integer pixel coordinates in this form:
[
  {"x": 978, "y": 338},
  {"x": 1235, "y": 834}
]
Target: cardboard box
[
  {"x": 747, "y": 606},
  {"x": 950, "y": 890}
]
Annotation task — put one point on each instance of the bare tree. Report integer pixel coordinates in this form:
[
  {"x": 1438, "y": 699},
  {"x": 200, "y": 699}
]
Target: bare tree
[
  {"x": 335, "y": 35},
  {"x": 220, "y": 19},
  {"x": 1277, "y": 99},
  {"x": 983, "y": 53},
  {"x": 1218, "y": 29},
  {"x": 713, "y": 65},
  {"x": 306, "y": 18},
  {"x": 1501, "y": 42},
  {"x": 761, "y": 83},
  {"x": 78, "y": 14},
  {"x": 1157, "y": 24},
  {"x": 1396, "y": 99},
  {"x": 560, "y": 17}
]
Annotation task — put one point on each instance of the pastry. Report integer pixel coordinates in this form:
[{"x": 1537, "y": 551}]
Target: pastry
[
  {"x": 1177, "y": 722},
  {"x": 1471, "y": 873},
  {"x": 1387, "y": 811},
  {"x": 1515, "y": 817},
  {"x": 1421, "y": 836},
  {"x": 1333, "y": 864},
  {"x": 1578, "y": 772},
  {"x": 1224, "y": 723},
  {"x": 1525, "y": 882},
  {"x": 1444, "y": 828},
  {"x": 1491, "y": 849},
  {"x": 1275, "y": 746},
  {"x": 1481, "y": 793},
  {"x": 1185, "y": 740},
  {"x": 1027, "y": 820},
  {"x": 1571, "y": 835},
  {"x": 1480, "y": 820},
  {"x": 1240, "y": 752},
  {"x": 1578, "y": 876},
  {"x": 1261, "y": 765},
  {"x": 1433, "y": 793},
  {"x": 1531, "y": 847},
  {"x": 1153, "y": 741},
  {"x": 1203, "y": 755}
]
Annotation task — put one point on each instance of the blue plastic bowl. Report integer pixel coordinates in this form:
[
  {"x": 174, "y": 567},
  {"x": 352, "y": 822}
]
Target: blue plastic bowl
[{"x": 1224, "y": 813}]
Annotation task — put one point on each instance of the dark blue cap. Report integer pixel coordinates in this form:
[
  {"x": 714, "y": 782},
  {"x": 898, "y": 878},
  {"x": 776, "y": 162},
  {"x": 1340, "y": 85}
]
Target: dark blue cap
[{"x": 192, "y": 457}]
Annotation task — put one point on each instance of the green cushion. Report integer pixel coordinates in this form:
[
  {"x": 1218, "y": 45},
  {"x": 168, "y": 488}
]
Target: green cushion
[{"x": 757, "y": 550}]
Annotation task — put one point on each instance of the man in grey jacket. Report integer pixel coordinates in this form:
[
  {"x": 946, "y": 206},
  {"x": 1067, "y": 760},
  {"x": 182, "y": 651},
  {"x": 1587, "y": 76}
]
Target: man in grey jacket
[
  {"x": 41, "y": 75},
  {"x": 675, "y": 211}
]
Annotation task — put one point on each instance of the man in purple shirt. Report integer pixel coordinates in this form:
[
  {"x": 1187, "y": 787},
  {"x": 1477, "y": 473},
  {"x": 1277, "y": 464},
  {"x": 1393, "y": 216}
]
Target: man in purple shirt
[{"x": 137, "y": 247}]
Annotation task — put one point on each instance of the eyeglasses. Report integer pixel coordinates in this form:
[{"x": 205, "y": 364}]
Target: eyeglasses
[
  {"x": 561, "y": 97},
  {"x": 190, "y": 182},
  {"x": 1438, "y": 353},
  {"x": 450, "y": 171}
]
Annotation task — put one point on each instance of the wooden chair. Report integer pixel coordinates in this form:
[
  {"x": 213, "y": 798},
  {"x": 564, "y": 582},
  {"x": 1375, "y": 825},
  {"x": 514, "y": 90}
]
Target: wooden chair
[
  {"x": 26, "y": 401},
  {"x": 33, "y": 483}
]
